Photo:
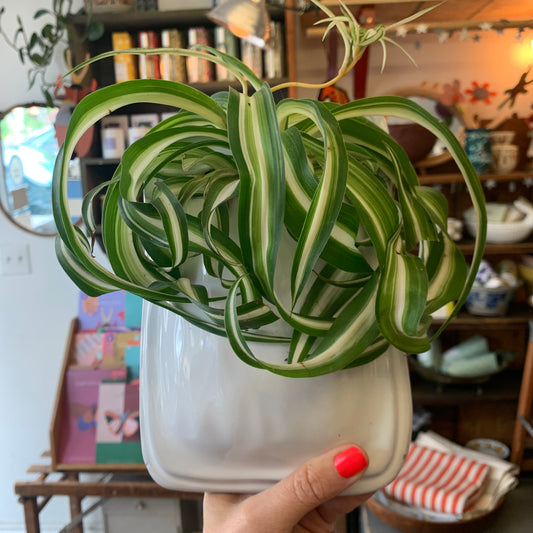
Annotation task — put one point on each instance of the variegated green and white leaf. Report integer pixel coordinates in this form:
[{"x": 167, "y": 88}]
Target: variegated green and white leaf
[
  {"x": 301, "y": 186},
  {"x": 320, "y": 173},
  {"x": 256, "y": 146},
  {"x": 401, "y": 300}
]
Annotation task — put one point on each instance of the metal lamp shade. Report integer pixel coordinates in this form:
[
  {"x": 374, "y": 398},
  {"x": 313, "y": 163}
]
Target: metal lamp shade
[{"x": 247, "y": 19}]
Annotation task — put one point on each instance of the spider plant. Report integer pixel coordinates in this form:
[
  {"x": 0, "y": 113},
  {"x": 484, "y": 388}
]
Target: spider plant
[{"x": 230, "y": 177}]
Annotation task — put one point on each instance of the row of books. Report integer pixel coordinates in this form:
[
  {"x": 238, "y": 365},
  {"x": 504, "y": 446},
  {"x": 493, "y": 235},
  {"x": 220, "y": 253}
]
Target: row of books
[{"x": 268, "y": 64}]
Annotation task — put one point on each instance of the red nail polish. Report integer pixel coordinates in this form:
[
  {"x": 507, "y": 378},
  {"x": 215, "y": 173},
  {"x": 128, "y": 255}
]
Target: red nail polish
[{"x": 350, "y": 462}]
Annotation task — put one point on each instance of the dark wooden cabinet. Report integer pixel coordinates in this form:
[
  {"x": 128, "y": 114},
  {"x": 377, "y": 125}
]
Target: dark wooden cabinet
[{"x": 463, "y": 412}]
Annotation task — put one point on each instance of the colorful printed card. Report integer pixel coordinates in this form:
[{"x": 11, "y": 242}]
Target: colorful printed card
[
  {"x": 78, "y": 432},
  {"x": 88, "y": 346},
  {"x": 115, "y": 344},
  {"x": 132, "y": 361},
  {"x": 133, "y": 305},
  {"x": 106, "y": 311},
  {"x": 117, "y": 433}
]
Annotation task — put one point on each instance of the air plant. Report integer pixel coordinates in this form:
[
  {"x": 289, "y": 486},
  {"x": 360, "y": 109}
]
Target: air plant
[{"x": 231, "y": 178}]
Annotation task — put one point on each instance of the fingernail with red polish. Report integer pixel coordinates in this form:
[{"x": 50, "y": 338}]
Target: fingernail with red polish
[{"x": 350, "y": 462}]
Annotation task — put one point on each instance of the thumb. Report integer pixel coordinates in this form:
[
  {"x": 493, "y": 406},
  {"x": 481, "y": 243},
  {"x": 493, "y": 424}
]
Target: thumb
[{"x": 315, "y": 482}]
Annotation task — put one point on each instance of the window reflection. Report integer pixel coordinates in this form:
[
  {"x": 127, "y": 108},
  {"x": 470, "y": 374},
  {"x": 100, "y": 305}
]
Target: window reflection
[{"x": 29, "y": 149}]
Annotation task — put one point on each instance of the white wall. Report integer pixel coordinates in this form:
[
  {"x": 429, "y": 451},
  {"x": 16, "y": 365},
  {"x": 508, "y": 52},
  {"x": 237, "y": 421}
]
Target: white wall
[
  {"x": 498, "y": 59},
  {"x": 35, "y": 309}
]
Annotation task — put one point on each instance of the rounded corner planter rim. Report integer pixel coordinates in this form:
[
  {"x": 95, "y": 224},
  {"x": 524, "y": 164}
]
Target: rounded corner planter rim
[{"x": 211, "y": 423}]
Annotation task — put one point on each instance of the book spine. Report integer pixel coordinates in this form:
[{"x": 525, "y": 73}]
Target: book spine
[
  {"x": 199, "y": 70},
  {"x": 149, "y": 64},
  {"x": 273, "y": 57},
  {"x": 125, "y": 65},
  {"x": 225, "y": 42},
  {"x": 173, "y": 67},
  {"x": 252, "y": 56}
]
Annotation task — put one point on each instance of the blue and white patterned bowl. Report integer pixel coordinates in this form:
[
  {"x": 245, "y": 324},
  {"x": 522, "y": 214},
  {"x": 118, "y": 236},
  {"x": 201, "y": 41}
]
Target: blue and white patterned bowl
[{"x": 486, "y": 301}]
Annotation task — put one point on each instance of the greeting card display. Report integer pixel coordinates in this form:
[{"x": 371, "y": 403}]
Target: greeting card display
[
  {"x": 88, "y": 348},
  {"x": 115, "y": 310},
  {"x": 78, "y": 435},
  {"x": 106, "y": 311},
  {"x": 117, "y": 428},
  {"x": 116, "y": 344}
]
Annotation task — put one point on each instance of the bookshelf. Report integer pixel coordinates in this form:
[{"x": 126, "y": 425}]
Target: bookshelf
[
  {"x": 490, "y": 409},
  {"x": 95, "y": 168},
  {"x": 134, "y": 22}
]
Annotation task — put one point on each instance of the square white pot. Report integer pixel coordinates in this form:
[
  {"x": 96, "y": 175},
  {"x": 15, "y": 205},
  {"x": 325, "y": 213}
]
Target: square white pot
[{"x": 209, "y": 422}]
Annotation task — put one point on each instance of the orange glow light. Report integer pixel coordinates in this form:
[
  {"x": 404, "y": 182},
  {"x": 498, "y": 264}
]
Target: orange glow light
[{"x": 238, "y": 31}]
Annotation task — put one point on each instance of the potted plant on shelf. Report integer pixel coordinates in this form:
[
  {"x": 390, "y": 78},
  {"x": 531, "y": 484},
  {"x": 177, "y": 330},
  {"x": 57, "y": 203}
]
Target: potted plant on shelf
[
  {"x": 295, "y": 236},
  {"x": 38, "y": 48}
]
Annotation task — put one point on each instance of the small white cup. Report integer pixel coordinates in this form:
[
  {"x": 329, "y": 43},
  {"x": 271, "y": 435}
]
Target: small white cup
[
  {"x": 501, "y": 137},
  {"x": 505, "y": 157}
]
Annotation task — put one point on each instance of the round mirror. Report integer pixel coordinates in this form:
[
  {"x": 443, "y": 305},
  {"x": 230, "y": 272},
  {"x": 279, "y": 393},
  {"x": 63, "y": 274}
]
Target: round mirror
[
  {"x": 29, "y": 148},
  {"x": 423, "y": 148}
]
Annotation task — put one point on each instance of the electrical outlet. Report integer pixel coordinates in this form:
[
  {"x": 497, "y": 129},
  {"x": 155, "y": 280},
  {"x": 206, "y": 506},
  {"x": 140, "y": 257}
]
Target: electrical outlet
[{"x": 15, "y": 259}]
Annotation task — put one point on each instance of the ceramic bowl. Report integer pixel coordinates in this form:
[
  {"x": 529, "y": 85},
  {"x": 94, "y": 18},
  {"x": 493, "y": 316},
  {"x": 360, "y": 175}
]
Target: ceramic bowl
[
  {"x": 414, "y": 139},
  {"x": 486, "y": 301},
  {"x": 504, "y": 359},
  {"x": 490, "y": 447},
  {"x": 411, "y": 519},
  {"x": 500, "y": 232},
  {"x": 501, "y": 137}
]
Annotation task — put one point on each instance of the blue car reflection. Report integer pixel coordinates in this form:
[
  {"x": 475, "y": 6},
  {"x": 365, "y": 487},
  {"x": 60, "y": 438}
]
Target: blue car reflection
[{"x": 30, "y": 165}]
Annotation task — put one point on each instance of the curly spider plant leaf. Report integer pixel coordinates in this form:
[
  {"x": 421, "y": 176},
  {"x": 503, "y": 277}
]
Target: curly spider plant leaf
[{"x": 308, "y": 219}]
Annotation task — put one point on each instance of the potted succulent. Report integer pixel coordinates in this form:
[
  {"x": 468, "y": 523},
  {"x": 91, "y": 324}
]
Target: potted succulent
[{"x": 294, "y": 235}]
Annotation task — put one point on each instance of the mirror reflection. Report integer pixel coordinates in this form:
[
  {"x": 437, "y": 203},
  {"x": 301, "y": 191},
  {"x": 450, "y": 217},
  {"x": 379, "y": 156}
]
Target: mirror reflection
[{"x": 29, "y": 148}]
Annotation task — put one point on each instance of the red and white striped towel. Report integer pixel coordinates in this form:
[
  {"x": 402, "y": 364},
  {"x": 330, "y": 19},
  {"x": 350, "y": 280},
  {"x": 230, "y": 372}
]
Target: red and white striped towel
[{"x": 438, "y": 481}]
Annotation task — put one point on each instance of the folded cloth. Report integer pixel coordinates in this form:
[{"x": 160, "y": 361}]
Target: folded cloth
[
  {"x": 439, "y": 480},
  {"x": 503, "y": 475}
]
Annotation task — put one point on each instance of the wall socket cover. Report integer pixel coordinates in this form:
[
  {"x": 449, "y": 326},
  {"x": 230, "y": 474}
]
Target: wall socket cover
[{"x": 15, "y": 259}]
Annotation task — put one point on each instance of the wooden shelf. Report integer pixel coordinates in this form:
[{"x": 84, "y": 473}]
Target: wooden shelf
[
  {"x": 441, "y": 179},
  {"x": 503, "y": 387},
  {"x": 77, "y": 485},
  {"x": 518, "y": 248},
  {"x": 465, "y": 411},
  {"x": 154, "y": 19},
  {"x": 519, "y": 315}
]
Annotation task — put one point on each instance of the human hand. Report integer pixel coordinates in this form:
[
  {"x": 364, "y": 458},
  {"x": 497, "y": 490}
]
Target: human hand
[{"x": 307, "y": 500}]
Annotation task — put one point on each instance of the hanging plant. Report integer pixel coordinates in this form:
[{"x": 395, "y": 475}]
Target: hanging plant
[
  {"x": 37, "y": 48},
  {"x": 230, "y": 178}
]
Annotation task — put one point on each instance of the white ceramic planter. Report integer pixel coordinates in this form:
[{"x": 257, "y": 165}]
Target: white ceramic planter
[{"x": 211, "y": 423}]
